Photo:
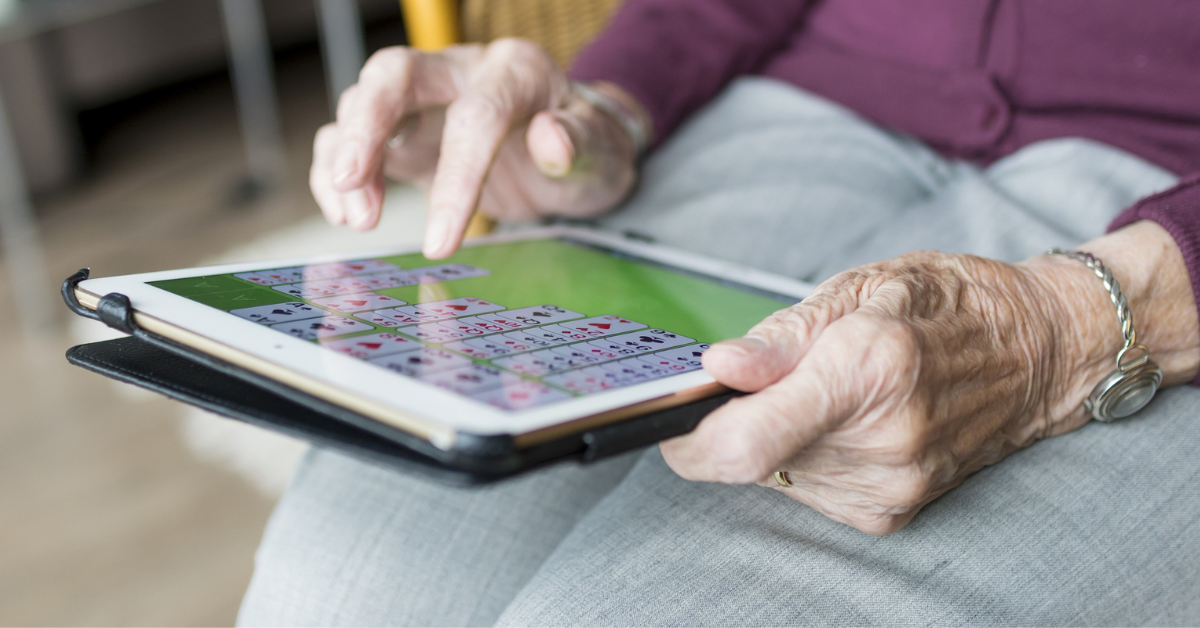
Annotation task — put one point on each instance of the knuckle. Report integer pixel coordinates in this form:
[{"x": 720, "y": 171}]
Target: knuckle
[
  {"x": 325, "y": 137},
  {"x": 477, "y": 111},
  {"x": 386, "y": 63},
  {"x": 346, "y": 99},
  {"x": 796, "y": 320},
  {"x": 907, "y": 442},
  {"x": 909, "y": 490},
  {"x": 896, "y": 342},
  {"x": 514, "y": 48},
  {"x": 877, "y": 524}
]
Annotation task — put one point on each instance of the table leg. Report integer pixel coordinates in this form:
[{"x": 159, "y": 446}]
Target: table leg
[
  {"x": 341, "y": 45},
  {"x": 250, "y": 65},
  {"x": 32, "y": 289}
]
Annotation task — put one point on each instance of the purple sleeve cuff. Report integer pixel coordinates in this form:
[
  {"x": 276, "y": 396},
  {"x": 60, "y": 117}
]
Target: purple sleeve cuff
[
  {"x": 1178, "y": 211},
  {"x": 674, "y": 56}
]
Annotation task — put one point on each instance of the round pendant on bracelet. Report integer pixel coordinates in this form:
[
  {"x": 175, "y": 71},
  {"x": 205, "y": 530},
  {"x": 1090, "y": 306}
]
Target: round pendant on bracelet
[{"x": 1136, "y": 378}]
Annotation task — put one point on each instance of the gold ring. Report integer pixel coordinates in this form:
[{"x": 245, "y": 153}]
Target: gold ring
[{"x": 781, "y": 479}]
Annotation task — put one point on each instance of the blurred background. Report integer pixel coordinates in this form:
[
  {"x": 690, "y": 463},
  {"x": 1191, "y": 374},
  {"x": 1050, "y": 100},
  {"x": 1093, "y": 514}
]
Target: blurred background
[{"x": 141, "y": 135}]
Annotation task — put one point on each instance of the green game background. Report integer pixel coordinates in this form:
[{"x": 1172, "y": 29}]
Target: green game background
[{"x": 550, "y": 271}]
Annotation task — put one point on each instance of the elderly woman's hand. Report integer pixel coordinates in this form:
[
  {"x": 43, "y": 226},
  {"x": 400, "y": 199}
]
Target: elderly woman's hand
[
  {"x": 496, "y": 127},
  {"x": 894, "y": 381}
]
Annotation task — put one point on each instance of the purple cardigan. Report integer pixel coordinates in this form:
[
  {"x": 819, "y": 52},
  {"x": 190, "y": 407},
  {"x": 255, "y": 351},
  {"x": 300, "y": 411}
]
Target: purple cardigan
[{"x": 975, "y": 79}]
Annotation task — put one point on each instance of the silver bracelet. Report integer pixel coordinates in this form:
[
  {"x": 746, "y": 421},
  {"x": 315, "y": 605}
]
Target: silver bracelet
[
  {"x": 1136, "y": 378},
  {"x": 633, "y": 125}
]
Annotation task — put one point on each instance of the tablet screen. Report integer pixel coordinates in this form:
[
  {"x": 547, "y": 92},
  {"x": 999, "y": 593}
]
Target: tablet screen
[{"x": 516, "y": 325}]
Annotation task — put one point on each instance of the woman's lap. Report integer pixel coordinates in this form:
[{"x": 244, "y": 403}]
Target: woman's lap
[
  {"x": 355, "y": 544},
  {"x": 1093, "y": 527},
  {"x": 1097, "y": 527}
]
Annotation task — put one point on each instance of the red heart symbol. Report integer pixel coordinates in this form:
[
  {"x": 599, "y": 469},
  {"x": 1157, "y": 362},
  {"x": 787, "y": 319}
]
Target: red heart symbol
[
  {"x": 520, "y": 395},
  {"x": 600, "y": 325},
  {"x": 371, "y": 346},
  {"x": 357, "y": 303},
  {"x": 458, "y": 308}
]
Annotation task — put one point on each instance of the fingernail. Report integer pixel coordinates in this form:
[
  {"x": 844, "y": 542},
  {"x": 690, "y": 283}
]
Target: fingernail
[
  {"x": 560, "y": 167},
  {"x": 357, "y": 209},
  {"x": 346, "y": 163},
  {"x": 745, "y": 346},
  {"x": 437, "y": 234}
]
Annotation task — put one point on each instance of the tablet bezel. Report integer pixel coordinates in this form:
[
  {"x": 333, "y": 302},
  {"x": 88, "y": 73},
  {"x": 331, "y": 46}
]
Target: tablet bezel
[{"x": 426, "y": 411}]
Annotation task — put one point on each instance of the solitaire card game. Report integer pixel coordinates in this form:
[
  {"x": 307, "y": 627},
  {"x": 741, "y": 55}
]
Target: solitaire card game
[{"x": 515, "y": 325}]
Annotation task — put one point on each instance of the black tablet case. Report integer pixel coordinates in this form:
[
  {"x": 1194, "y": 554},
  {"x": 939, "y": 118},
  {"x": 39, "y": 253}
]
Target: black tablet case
[{"x": 159, "y": 364}]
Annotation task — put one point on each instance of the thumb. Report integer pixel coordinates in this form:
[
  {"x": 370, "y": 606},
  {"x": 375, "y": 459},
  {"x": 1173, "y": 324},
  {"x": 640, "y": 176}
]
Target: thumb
[
  {"x": 773, "y": 348},
  {"x": 550, "y": 144},
  {"x": 578, "y": 138}
]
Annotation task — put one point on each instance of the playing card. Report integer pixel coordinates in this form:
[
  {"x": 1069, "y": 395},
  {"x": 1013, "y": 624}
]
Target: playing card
[
  {"x": 585, "y": 381},
  {"x": 687, "y": 357},
  {"x": 603, "y": 325},
  {"x": 514, "y": 345},
  {"x": 442, "y": 310},
  {"x": 473, "y": 379},
  {"x": 521, "y": 396},
  {"x": 483, "y": 348},
  {"x": 430, "y": 332},
  {"x": 446, "y": 272},
  {"x": 542, "y": 314},
  {"x": 487, "y": 326},
  {"x": 598, "y": 349},
  {"x": 323, "y": 288},
  {"x": 454, "y": 308},
  {"x": 359, "y": 302},
  {"x": 364, "y": 266},
  {"x": 273, "y": 277},
  {"x": 278, "y": 313},
  {"x": 539, "y": 335},
  {"x": 633, "y": 370},
  {"x": 624, "y": 374},
  {"x": 536, "y": 364},
  {"x": 576, "y": 356},
  {"x": 377, "y": 318},
  {"x": 463, "y": 327},
  {"x": 401, "y": 315},
  {"x": 421, "y": 362},
  {"x": 649, "y": 340},
  {"x": 618, "y": 348},
  {"x": 372, "y": 345},
  {"x": 316, "y": 272},
  {"x": 324, "y": 327},
  {"x": 562, "y": 331},
  {"x": 502, "y": 319},
  {"x": 534, "y": 340},
  {"x": 384, "y": 280}
]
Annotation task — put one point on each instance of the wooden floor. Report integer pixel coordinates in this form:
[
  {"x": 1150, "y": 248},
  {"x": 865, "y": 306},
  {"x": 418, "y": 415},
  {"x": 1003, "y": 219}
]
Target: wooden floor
[{"x": 106, "y": 517}]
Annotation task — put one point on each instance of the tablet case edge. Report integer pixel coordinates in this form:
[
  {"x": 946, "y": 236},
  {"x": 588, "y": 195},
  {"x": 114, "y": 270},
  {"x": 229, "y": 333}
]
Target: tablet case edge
[{"x": 473, "y": 459}]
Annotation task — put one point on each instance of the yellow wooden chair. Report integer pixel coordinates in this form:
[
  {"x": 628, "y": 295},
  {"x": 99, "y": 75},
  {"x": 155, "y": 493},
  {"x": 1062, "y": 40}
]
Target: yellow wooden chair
[{"x": 562, "y": 26}]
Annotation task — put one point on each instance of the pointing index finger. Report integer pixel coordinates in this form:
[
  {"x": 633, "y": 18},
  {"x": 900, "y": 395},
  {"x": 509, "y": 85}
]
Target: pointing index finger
[
  {"x": 393, "y": 82},
  {"x": 507, "y": 88}
]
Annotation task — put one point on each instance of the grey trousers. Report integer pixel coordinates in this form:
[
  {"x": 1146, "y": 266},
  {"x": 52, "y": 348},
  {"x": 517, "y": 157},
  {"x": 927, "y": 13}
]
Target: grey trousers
[{"x": 1100, "y": 526}]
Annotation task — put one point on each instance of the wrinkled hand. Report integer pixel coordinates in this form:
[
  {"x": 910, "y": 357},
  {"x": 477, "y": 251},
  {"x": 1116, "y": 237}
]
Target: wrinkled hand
[
  {"x": 894, "y": 381},
  {"x": 496, "y": 127}
]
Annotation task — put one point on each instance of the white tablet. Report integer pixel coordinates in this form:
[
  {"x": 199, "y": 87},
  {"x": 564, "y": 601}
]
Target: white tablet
[{"x": 532, "y": 336}]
